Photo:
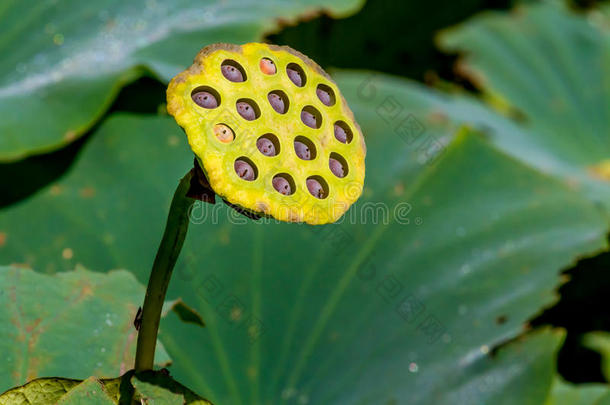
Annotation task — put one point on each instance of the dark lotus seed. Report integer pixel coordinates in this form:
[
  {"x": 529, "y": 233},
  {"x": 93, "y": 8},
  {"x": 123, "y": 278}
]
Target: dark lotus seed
[
  {"x": 302, "y": 150},
  {"x": 295, "y": 76},
  {"x": 340, "y": 134},
  {"x": 205, "y": 99},
  {"x": 267, "y": 66},
  {"x": 336, "y": 167},
  {"x": 266, "y": 147},
  {"x": 324, "y": 96},
  {"x": 281, "y": 185},
  {"x": 308, "y": 119},
  {"x": 276, "y": 102},
  {"x": 315, "y": 188},
  {"x": 232, "y": 73},
  {"x": 246, "y": 111},
  {"x": 244, "y": 170}
]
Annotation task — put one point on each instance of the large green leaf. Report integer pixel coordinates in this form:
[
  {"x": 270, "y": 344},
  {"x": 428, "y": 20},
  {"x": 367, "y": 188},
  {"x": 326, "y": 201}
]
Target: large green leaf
[
  {"x": 551, "y": 66},
  {"x": 543, "y": 71},
  {"x": 64, "y": 61},
  {"x": 146, "y": 388},
  {"x": 564, "y": 393},
  {"x": 72, "y": 324},
  {"x": 403, "y": 309}
]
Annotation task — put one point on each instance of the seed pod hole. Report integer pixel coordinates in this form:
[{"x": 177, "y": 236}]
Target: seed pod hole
[
  {"x": 267, "y": 66},
  {"x": 245, "y": 169},
  {"x": 279, "y": 101},
  {"x": 311, "y": 117},
  {"x": 233, "y": 71},
  {"x": 248, "y": 109},
  {"x": 224, "y": 133},
  {"x": 283, "y": 184},
  {"x": 338, "y": 165},
  {"x": 343, "y": 133},
  {"x": 205, "y": 97},
  {"x": 317, "y": 187},
  {"x": 304, "y": 148},
  {"x": 325, "y": 94},
  {"x": 296, "y": 74},
  {"x": 268, "y": 145}
]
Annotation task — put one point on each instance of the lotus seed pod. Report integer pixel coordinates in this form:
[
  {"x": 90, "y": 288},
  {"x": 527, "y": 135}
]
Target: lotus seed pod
[
  {"x": 266, "y": 147},
  {"x": 246, "y": 110},
  {"x": 205, "y": 99},
  {"x": 267, "y": 66},
  {"x": 244, "y": 170},
  {"x": 285, "y": 107},
  {"x": 277, "y": 103},
  {"x": 282, "y": 185},
  {"x": 336, "y": 167},
  {"x": 302, "y": 150},
  {"x": 232, "y": 73},
  {"x": 315, "y": 188},
  {"x": 224, "y": 133}
]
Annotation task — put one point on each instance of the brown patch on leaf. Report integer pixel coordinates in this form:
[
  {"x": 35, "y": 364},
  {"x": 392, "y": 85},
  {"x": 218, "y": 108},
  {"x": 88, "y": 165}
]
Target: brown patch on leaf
[
  {"x": 55, "y": 190},
  {"x": 463, "y": 69},
  {"x": 67, "y": 253},
  {"x": 2, "y": 238},
  {"x": 601, "y": 171},
  {"x": 87, "y": 192},
  {"x": 70, "y": 135}
]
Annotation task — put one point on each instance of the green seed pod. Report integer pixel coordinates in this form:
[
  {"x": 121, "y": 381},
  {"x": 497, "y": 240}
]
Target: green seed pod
[{"x": 271, "y": 131}]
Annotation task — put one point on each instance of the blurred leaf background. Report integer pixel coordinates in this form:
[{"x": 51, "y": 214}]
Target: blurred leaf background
[{"x": 483, "y": 280}]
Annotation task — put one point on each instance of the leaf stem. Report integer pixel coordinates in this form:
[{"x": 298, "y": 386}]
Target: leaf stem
[{"x": 160, "y": 275}]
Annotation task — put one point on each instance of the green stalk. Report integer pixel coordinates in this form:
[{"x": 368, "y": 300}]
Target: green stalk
[{"x": 160, "y": 275}]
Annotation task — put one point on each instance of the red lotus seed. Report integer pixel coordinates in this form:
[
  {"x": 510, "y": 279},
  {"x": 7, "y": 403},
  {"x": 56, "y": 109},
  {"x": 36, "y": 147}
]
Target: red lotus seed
[
  {"x": 295, "y": 76},
  {"x": 276, "y": 102},
  {"x": 281, "y": 185},
  {"x": 302, "y": 150},
  {"x": 308, "y": 119},
  {"x": 340, "y": 134},
  {"x": 232, "y": 73},
  {"x": 266, "y": 147},
  {"x": 336, "y": 167},
  {"x": 315, "y": 188},
  {"x": 324, "y": 96},
  {"x": 244, "y": 170},
  {"x": 246, "y": 111},
  {"x": 267, "y": 66},
  {"x": 223, "y": 133},
  {"x": 205, "y": 99}
]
